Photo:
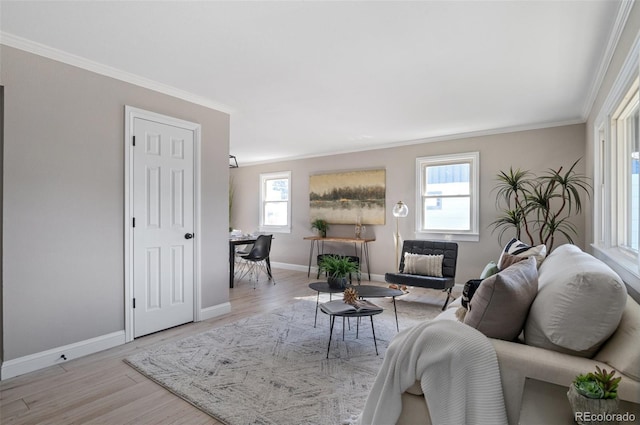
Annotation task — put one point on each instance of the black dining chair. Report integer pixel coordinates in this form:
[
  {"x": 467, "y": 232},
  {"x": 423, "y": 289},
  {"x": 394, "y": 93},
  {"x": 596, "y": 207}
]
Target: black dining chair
[
  {"x": 239, "y": 262},
  {"x": 257, "y": 259}
]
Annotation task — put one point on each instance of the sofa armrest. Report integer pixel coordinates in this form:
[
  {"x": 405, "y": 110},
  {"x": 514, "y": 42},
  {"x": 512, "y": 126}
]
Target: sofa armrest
[{"x": 518, "y": 362}]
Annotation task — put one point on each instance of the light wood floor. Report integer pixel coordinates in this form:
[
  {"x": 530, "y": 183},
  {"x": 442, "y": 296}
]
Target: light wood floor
[{"x": 102, "y": 389}]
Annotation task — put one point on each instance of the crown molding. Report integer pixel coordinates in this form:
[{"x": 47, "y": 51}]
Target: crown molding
[
  {"x": 49, "y": 52},
  {"x": 443, "y": 138},
  {"x": 614, "y": 37}
]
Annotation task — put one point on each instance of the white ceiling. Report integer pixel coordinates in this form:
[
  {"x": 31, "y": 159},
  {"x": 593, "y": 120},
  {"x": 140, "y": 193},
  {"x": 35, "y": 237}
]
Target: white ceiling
[{"x": 304, "y": 78}]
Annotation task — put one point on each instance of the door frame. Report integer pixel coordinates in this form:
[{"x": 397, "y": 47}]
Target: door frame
[{"x": 131, "y": 113}]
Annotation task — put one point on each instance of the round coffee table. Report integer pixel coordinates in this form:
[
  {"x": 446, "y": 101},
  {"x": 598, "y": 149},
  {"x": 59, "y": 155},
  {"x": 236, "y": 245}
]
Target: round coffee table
[
  {"x": 371, "y": 291},
  {"x": 364, "y": 291}
]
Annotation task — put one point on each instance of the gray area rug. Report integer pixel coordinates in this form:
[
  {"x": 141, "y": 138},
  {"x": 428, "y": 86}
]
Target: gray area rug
[{"x": 272, "y": 368}]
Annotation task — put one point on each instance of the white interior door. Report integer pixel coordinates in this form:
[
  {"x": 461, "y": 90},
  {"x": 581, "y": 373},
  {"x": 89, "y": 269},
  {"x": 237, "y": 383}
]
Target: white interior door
[{"x": 163, "y": 210}]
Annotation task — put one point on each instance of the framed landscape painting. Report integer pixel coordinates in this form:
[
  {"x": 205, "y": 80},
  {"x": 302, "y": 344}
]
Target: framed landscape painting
[{"x": 348, "y": 197}]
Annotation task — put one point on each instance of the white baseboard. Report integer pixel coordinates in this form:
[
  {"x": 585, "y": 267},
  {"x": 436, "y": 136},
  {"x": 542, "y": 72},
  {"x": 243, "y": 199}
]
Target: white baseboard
[
  {"x": 295, "y": 267},
  {"x": 215, "y": 311},
  {"x": 32, "y": 362},
  {"x": 314, "y": 270},
  {"x": 36, "y": 361}
]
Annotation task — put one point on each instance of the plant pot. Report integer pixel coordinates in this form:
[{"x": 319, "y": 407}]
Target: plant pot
[
  {"x": 337, "y": 282},
  {"x": 591, "y": 408}
]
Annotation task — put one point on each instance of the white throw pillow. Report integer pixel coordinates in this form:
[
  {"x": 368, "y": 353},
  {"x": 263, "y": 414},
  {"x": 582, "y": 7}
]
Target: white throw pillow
[
  {"x": 579, "y": 303},
  {"x": 426, "y": 265}
]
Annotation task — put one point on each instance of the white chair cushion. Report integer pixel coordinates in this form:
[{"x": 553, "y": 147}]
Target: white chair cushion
[{"x": 425, "y": 265}]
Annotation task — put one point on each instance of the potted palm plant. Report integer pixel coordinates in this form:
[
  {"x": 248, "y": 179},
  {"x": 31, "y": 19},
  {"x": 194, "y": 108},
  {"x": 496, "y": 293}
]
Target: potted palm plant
[
  {"x": 337, "y": 268},
  {"x": 321, "y": 226},
  {"x": 539, "y": 207}
]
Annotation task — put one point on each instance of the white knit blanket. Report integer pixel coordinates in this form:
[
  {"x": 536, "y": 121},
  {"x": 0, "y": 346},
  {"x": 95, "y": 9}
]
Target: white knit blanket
[{"x": 458, "y": 370}]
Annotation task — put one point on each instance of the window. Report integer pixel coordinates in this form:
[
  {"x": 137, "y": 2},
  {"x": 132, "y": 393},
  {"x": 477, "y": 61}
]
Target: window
[
  {"x": 275, "y": 202},
  {"x": 447, "y": 197},
  {"x": 616, "y": 210},
  {"x": 625, "y": 133}
]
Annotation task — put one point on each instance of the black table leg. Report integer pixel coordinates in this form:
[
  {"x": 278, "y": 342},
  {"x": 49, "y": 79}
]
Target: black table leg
[
  {"x": 317, "y": 303},
  {"x": 366, "y": 257},
  {"x": 232, "y": 263},
  {"x": 310, "y": 256},
  {"x": 332, "y": 319},
  {"x": 394, "y": 310},
  {"x": 374, "y": 335}
]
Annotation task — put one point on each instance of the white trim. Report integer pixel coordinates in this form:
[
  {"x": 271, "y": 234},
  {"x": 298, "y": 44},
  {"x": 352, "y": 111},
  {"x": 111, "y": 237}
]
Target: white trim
[
  {"x": 614, "y": 37},
  {"x": 606, "y": 246},
  {"x": 620, "y": 263},
  {"x": 296, "y": 267},
  {"x": 449, "y": 237},
  {"x": 314, "y": 270},
  {"x": 197, "y": 223},
  {"x": 16, "y": 42},
  {"x": 622, "y": 83},
  {"x": 411, "y": 142},
  {"x": 215, "y": 311},
  {"x": 132, "y": 113},
  {"x": 473, "y": 235},
  {"x": 275, "y": 229},
  {"x": 36, "y": 361}
]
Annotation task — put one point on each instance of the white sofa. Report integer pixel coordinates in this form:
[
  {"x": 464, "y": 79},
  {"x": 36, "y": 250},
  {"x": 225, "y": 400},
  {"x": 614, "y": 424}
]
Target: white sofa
[{"x": 534, "y": 379}]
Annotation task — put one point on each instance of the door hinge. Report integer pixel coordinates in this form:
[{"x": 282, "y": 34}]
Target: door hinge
[
  {"x": 134, "y": 303},
  {"x": 134, "y": 140},
  {"x": 134, "y": 222}
]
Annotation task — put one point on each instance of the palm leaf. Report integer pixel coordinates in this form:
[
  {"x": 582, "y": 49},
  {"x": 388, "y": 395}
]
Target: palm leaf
[{"x": 542, "y": 204}]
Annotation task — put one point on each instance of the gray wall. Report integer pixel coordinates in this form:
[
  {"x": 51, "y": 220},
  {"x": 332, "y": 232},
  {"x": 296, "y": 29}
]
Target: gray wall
[
  {"x": 64, "y": 200},
  {"x": 536, "y": 150}
]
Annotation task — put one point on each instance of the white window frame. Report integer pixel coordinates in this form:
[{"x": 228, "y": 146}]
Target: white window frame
[
  {"x": 263, "y": 179},
  {"x": 471, "y": 158},
  {"x": 608, "y": 215}
]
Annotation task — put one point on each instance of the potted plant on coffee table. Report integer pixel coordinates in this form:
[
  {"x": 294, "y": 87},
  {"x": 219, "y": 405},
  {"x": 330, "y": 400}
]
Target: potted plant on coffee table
[
  {"x": 337, "y": 268},
  {"x": 595, "y": 393}
]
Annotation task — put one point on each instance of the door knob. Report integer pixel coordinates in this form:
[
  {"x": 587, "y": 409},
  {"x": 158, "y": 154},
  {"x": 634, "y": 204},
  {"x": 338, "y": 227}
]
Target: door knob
[{"x": 188, "y": 235}]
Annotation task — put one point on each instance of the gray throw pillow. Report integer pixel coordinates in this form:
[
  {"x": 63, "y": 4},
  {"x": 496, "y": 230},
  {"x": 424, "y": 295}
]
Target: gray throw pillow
[
  {"x": 508, "y": 260},
  {"x": 501, "y": 303}
]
